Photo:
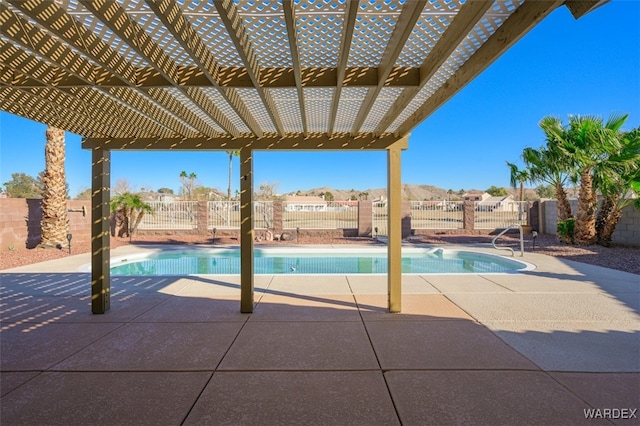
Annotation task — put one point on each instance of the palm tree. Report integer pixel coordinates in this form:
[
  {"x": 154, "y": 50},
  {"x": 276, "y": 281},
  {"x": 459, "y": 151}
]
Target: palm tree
[
  {"x": 231, "y": 154},
  {"x": 188, "y": 184},
  {"x": 549, "y": 164},
  {"x": 518, "y": 178},
  {"x": 55, "y": 222},
  {"x": 622, "y": 177},
  {"x": 587, "y": 144},
  {"x": 132, "y": 209}
]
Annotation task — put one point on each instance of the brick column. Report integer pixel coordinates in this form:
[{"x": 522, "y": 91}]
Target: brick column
[
  {"x": 203, "y": 217},
  {"x": 365, "y": 218},
  {"x": 468, "y": 215},
  {"x": 277, "y": 217},
  {"x": 406, "y": 219},
  {"x": 533, "y": 216}
]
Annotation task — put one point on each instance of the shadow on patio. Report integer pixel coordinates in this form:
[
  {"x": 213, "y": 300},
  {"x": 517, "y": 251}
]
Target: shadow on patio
[{"x": 176, "y": 350}]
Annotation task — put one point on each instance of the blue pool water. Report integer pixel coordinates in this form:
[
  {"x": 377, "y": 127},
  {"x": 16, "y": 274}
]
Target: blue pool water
[{"x": 227, "y": 261}]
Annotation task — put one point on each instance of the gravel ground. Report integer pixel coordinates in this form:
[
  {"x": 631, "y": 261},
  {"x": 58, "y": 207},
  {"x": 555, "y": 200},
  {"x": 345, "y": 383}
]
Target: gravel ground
[{"x": 623, "y": 258}]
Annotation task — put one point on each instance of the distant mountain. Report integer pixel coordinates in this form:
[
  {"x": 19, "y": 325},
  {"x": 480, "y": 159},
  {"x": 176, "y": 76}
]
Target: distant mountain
[{"x": 409, "y": 192}]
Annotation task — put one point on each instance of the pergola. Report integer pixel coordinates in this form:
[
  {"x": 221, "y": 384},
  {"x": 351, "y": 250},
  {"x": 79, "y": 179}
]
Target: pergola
[{"x": 248, "y": 75}]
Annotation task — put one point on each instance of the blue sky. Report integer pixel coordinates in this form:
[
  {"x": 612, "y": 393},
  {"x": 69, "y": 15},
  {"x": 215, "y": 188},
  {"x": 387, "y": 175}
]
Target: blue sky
[{"x": 590, "y": 66}]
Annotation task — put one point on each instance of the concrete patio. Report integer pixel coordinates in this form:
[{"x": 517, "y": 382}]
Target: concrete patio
[{"x": 548, "y": 346}]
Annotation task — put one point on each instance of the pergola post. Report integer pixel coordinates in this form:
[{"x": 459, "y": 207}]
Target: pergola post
[
  {"x": 394, "y": 225},
  {"x": 246, "y": 230},
  {"x": 100, "y": 187}
]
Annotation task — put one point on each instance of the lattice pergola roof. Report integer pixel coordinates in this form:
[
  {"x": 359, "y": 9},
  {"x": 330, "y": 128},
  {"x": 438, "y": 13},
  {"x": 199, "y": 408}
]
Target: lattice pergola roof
[{"x": 224, "y": 74}]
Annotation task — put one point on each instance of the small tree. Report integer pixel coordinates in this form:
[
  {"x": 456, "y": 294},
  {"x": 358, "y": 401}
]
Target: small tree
[
  {"x": 267, "y": 190},
  {"x": 328, "y": 196},
  {"x": 122, "y": 186},
  {"x": 189, "y": 183},
  {"x": 517, "y": 179},
  {"x": 132, "y": 209},
  {"x": 449, "y": 194},
  {"x": 85, "y": 194},
  {"x": 588, "y": 144},
  {"x": 549, "y": 164},
  {"x": 494, "y": 191},
  {"x": 22, "y": 185},
  {"x": 619, "y": 185},
  {"x": 545, "y": 191}
]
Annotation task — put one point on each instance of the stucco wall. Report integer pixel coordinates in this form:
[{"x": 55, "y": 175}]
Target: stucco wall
[{"x": 627, "y": 232}]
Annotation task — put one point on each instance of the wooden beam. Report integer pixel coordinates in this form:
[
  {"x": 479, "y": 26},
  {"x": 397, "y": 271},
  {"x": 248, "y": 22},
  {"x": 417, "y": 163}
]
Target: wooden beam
[
  {"x": 41, "y": 106},
  {"x": 468, "y": 16},
  {"x": 233, "y": 22},
  {"x": 117, "y": 19},
  {"x": 111, "y": 65},
  {"x": 232, "y": 78},
  {"x": 314, "y": 142},
  {"x": 53, "y": 17},
  {"x": 348, "y": 25},
  {"x": 246, "y": 231},
  {"x": 171, "y": 16},
  {"x": 100, "y": 227},
  {"x": 21, "y": 103},
  {"x": 579, "y": 8},
  {"x": 404, "y": 26},
  {"x": 528, "y": 15},
  {"x": 290, "y": 21},
  {"x": 82, "y": 101}
]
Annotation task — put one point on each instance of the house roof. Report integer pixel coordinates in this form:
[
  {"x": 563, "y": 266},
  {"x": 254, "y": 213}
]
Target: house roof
[
  {"x": 499, "y": 199},
  {"x": 228, "y": 74}
]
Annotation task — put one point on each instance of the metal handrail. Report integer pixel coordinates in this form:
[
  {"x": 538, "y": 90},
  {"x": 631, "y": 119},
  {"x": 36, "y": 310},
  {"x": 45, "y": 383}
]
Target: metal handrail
[{"x": 493, "y": 242}]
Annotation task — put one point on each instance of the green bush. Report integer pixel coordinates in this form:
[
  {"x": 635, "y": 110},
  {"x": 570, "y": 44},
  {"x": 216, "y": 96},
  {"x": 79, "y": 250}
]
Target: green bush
[{"x": 565, "y": 229}]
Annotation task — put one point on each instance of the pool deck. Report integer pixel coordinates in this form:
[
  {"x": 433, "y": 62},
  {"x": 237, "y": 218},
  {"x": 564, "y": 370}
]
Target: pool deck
[{"x": 539, "y": 347}]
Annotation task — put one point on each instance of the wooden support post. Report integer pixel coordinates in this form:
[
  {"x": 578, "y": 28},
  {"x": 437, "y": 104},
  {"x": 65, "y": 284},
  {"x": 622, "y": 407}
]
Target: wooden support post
[
  {"x": 394, "y": 227},
  {"x": 100, "y": 212},
  {"x": 246, "y": 230}
]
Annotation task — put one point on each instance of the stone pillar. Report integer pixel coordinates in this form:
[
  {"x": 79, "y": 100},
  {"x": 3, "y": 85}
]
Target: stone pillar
[
  {"x": 406, "y": 219},
  {"x": 365, "y": 218},
  {"x": 203, "y": 217},
  {"x": 277, "y": 217},
  {"x": 533, "y": 216},
  {"x": 468, "y": 215}
]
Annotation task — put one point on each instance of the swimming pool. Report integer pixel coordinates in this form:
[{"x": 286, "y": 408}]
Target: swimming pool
[{"x": 226, "y": 261}]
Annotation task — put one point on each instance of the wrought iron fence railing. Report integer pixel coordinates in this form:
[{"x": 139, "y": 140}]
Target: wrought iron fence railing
[
  {"x": 320, "y": 215},
  {"x": 440, "y": 214},
  {"x": 226, "y": 214},
  {"x": 171, "y": 215},
  {"x": 184, "y": 215},
  {"x": 499, "y": 215}
]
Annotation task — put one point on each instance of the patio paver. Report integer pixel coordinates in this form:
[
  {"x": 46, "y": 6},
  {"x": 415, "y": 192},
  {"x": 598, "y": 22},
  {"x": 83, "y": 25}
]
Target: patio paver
[
  {"x": 108, "y": 398},
  {"x": 300, "y": 397},
  {"x": 484, "y": 398}
]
